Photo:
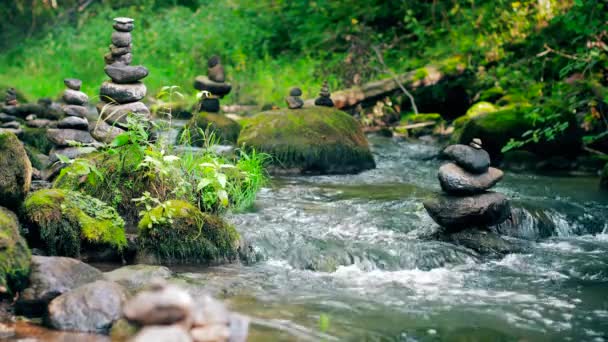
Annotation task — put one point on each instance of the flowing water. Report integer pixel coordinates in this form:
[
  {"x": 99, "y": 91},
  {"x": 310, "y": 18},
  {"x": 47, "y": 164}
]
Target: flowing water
[{"x": 345, "y": 258}]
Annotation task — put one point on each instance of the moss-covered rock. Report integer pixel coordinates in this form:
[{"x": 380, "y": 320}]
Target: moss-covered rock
[
  {"x": 177, "y": 231},
  {"x": 15, "y": 171},
  {"x": 224, "y": 128},
  {"x": 15, "y": 256},
  {"x": 475, "y": 110},
  {"x": 36, "y": 138},
  {"x": 492, "y": 95},
  {"x": 310, "y": 140},
  {"x": 604, "y": 178},
  {"x": 61, "y": 221}
]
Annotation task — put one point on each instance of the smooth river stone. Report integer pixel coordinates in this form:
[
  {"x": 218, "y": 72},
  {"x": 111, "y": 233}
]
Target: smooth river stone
[
  {"x": 122, "y": 93},
  {"x": 72, "y": 110},
  {"x": 74, "y": 122},
  {"x": 75, "y": 97},
  {"x": 125, "y": 59},
  {"x": 123, "y": 27},
  {"x": 295, "y": 91},
  {"x": 469, "y": 158},
  {"x": 457, "y": 213},
  {"x": 216, "y": 73},
  {"x": 294, "y": 102},
  {"x": 62, "y": 137},
  {"x": 123, "y": 74},
  {"x": 117, "y": 114},
  {"x": 215, "y": 88},
  {"x": 121, "y": 39},
  {"x": 73, "y": 83},
  {"x": 167, "y": 304},
  {"x": 119, "y": 51},
  {"x": 455, "y": 180}
]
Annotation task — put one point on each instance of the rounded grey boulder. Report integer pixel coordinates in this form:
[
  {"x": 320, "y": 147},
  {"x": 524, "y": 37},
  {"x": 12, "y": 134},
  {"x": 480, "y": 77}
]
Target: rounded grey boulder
[
  {"x": 455, "y": 180},
  {"x": 469, "y": 158},
  {"x": 75, "y": 97},
  {"x": 74, "y": 122},
  {"x": 123, "y": 74},
  {"x": 457, "y": 213},
  {"x": 122, "y": 93},
  {"x": 121, "y": 39},
  {"x": 118, "y": 113},
  {"x": 73, "y": 110}
]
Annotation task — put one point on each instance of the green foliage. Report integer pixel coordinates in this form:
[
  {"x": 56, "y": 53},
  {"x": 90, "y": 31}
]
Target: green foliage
[
  {"x": 63, "y": 219},
  {"x": 203, "y": 124}
]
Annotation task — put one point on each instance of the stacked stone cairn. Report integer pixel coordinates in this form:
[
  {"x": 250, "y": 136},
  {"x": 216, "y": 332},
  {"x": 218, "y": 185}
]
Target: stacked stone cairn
[
  {"x": 294, "y": 101},
  {"x": 214, "y": 84},
  {"x": 8, "y": 122},
  {"x": 122, "y": 95},
  {"x": 324, "y": 98},
  {"x": 465, "y": 181}
]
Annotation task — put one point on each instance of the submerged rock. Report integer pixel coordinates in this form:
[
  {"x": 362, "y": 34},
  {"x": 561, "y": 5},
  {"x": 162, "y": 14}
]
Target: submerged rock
[
  {"x": 15, "y": 171},
  {"x": 484, "y": 242},
  {"x": 224, "y": 128},
  {"x": 51, "y": 277},
  {"x": 90, "y": 308},
  {"x": 455, "y": 180},
  {"x": 310, "y": 140},
  {"x": 457, "y": 213},
  {"x": 469, "y": 158},
  {"x": 14, "y": 255}
]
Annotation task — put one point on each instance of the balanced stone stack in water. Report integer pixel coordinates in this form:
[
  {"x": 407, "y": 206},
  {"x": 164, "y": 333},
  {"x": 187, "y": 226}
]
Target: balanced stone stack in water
[
  {"x": 293, "y": 100},
  {"x": 324, "y": 98},
  {"x": 214, "y": 83},
  {"x": 122, "y": 95},
  {"x": 465, "y": 180}
]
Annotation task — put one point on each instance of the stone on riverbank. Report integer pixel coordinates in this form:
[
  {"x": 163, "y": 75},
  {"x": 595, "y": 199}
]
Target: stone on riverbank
[
  {"x": 471, "y": 159},
  {"x": 51, "y": 277},
  {"x": 65, "y": 137},
  {"x": 14, "y": 255},
  {"x": 117, "y": 114},
  {"x": 224, "y": 128},
  {"x": 458, "y": 213},
  {"x": 134, "y": 277},
  {"x": 309, "y": 140},
  {"x": 15, "y": 171},
  {"x": 484, "y": 242},
  {"x": 90, "y": 308},
  {"x": 123, "y": 74},
  {"x": 455, "y": 180},
  {"x": 75, "y": 97},
  {"x": 122, "y": 93}
]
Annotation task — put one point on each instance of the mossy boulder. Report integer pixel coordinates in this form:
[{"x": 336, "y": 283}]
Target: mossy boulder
[
  {"x": 15, "y": 171},
  {"x": 36, "y": 138},
  {"x": 310, "y": 140},
  {"x": 178, "y": 232},
  {"x": 15, "y": 257},
  {"x": 475, "y": 110},
  {"x": 224, "y": 128},
  {"x": 63, "y": 221}
]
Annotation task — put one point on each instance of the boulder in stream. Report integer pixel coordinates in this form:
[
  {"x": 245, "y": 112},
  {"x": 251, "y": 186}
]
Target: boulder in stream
[{"x": 457, "y": 213}]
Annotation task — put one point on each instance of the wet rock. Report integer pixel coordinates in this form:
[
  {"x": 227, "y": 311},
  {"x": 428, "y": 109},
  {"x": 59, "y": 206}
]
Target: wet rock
[
  {"x": 118, "y": 113},
  {"x": 75, "y": 97},
  {"x": 51, "y": 277},
  {"x": 78, "y": 111},
  {"x": 469, "y": 158},
  {"x": 122, "y": 93},
  {"x": 15, "y": 171},
  {"x": 216, "y": 88},
  {"x": 458, "y": 213},
  {"x": 73, "y": 122},
  {"x": 162, "y": 334},
  {"x": 134, "y": 277},
  {"x": 484, "y": 242},
  {"x": 73, "y": 83},
  {"x": 454, "y": 180},
  {"x": 90, "y": 308},
  {"x": 104, "y": 132},
  {"x": 121, "y": 39},
  {"x": 70, "y": 152},
  {"x": 63, "y": 137},
  {"x": 161, "y": 305},
  {"x": 123, "y": 74}
]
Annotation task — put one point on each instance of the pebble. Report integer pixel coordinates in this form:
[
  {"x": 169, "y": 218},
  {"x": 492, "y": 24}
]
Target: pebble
[{"x": 73, "y": 83}]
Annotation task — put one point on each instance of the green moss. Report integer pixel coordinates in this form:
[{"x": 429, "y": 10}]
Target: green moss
[
  {"x": 64, "y": 219},
  {"x": 15, "y": 171},
  {"x": 420, "y": 74},
  {"x": 421, "y": 117},
  {"x": 177, "y": 231},
  {"x": 492, "y": 94},
  {"x": 316, "y": 139},
  {"x": 14, "y": 255},
  {"x": 452, "y": 65},
  {"x": 36, "y": 138},
  {"x": 224, "y": 128}
]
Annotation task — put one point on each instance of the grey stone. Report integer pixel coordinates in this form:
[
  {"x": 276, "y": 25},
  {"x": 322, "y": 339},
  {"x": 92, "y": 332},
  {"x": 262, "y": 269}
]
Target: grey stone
[
  {"x": 484, "y": 242},
  {"x": 469, "y": 158},
  {"x": 75, "y": 97},
  {"x": 457, "y": 213},
  {"x": 455, "y": 180},
  {"x": 209, "y": 311},
  {"x": 122, "y": 74},
  {"x": 11, "y": 124},
  {"x": 476, "y": 143},
  {"x": 7, "y": 118},
  {"x": 121, "y": 39},
  {"x": 17, "y": 132},
  {"x": 161, "y": 305},
  {"x": 134, "y": 277},
  {"x": 74, "y": 122},
  {"x": 118, "y": 113},
  {"x": 63, "y": 137},
  {"x": 40, "y": 123},
  {"x": 122, "y": 93},
  {"x": 70, "y": 152},
  {"x": 119, "y": 51},
  {"x": 72, "y": 110},
  {"x": 216, "y": 73},
  {"x": 162, "y": 334},
  {"x": 210, "y": 333},
  {"x": 73, "y": 83},
  {"x": 103, "y": 132},
  {"x": 215, "y": 88},
  {"x": 51, "y": 277},
  {"x": 295, "y": 91},
  {"x": 123, "y": 27},
  {"x": 125, "y": 59},
  {"x": 89, "y": 308},
  {"x": 294, "y": 102},
  {"x": 124, "y": 20}
]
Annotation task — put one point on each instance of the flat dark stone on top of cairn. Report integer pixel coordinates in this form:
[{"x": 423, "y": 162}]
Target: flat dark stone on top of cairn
[
  {"x": 324, "y": 98},
  {"x": 293, "y": 100},
  {"x": 470, "y": 158},
  {"x": 73, "y": 83},
  {"x": 123, "y": 74}
]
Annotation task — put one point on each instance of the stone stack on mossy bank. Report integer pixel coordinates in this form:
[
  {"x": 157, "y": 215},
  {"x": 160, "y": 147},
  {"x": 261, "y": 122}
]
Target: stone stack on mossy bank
[
  {"x": 214, "y": 84},
  {"x": 315, "y": 140},
  {"x": 466, "y": 208},
  {"x": 121, "y": 96}
]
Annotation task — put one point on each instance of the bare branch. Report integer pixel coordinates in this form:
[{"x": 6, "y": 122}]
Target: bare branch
[{"x": 386, "y": 69}]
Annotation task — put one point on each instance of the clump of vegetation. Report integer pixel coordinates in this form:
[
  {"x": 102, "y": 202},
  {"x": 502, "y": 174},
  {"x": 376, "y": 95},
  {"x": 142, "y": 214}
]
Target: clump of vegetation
[
  {"x": 203, "y": 124},
  {"x": 316, "y": 140},
  {"x": 62, "y": 221},
  {"x": 14, "y": 255},
  {"x": 177, "y": 231}
]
